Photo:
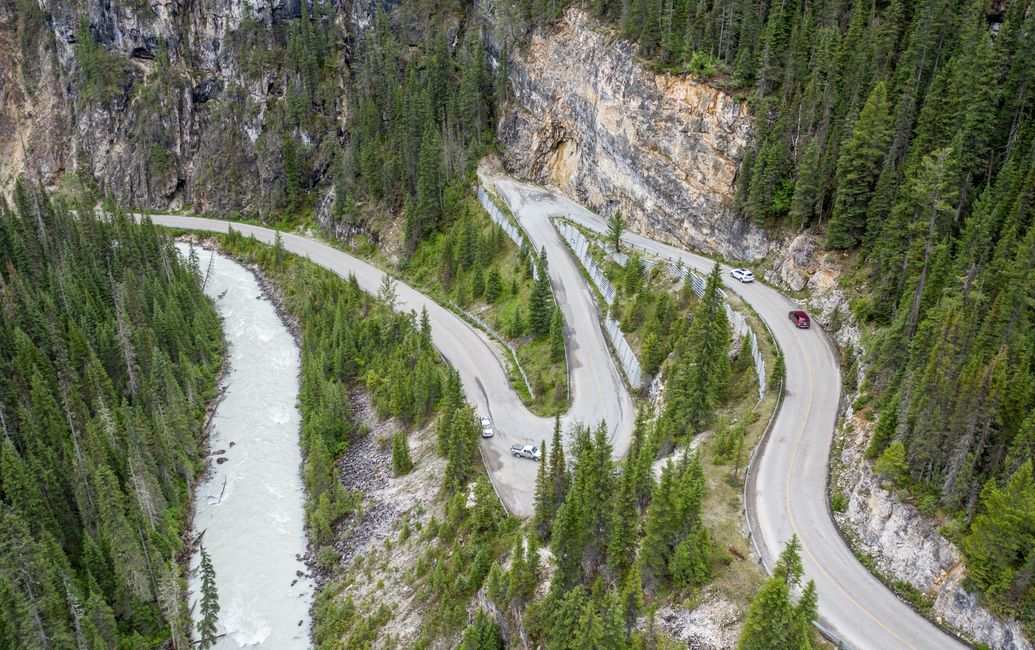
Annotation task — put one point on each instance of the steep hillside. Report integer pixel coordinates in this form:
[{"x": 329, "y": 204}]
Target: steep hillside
[
  {"x": 891, "y": 149},
  {"x": 584, "y": 115},
  {"x": 108, "y": 359}
]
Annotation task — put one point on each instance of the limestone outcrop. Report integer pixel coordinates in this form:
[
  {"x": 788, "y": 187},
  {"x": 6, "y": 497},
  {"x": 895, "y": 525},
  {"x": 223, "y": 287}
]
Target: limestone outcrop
[{"x": 584, "y": 115}]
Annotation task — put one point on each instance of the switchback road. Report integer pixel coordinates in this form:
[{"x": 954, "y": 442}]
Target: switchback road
[
  {"x": 789, "y": 494},
  {"x": 597, "y": 392}
]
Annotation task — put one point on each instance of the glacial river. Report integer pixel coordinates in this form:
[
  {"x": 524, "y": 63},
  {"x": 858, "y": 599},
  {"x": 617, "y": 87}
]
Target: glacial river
[{"x": 249, "y": 508}]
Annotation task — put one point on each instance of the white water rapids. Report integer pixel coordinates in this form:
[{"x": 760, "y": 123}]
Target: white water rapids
[{"x": 249, "y": 509}]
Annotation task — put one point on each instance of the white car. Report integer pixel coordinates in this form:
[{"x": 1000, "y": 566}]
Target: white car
[
  {"x": 526, "y": 451},
  {"x": 743, "y": 275},
  {"x": 486, "y": 428}
]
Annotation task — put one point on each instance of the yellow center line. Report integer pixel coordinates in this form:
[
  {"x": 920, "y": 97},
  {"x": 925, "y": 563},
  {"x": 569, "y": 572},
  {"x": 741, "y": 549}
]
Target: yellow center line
[{"x": 790, "y": 510}]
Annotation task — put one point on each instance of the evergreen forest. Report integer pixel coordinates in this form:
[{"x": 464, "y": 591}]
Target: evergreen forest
[
  {"x": 108, "y": 357},
  {"x": 903, "y": 132}
]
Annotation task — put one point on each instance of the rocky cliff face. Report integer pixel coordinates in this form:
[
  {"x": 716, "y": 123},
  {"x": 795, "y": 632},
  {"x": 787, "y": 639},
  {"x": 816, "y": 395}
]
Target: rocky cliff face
[
  {"x": 585, "y": 116},
  {"x": 160, "y": 102},
  {"x": 905, "y": 545}
]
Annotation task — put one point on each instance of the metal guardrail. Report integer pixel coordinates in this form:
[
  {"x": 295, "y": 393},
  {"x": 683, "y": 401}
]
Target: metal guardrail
[
  {"x": 494, "y": 334},
  {"x": 580, "y": 246}
]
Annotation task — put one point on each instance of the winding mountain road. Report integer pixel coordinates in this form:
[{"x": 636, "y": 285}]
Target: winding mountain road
[
  {"x": 788, "y": 495},
  {"x": 597, "y": 392}
]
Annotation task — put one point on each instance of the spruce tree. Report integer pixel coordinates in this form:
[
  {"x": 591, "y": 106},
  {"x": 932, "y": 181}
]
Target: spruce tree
[
  {"x": 805, "y": 202},
  {"x": 557, "y": 337},
  {"x": 482, "y": 634},
  {"x": 431, "y": 179},
  {"x": 1000, "y": 548},
  {"x": 544, "y": 499},
  {"x": 209, "y": 606},
  {"x": 402, "y": 464},
  {"x": 540, "y": 311},
  {"x": 616, "y": 224},
  {"x": 558, "y": 471},
  {"x": 858, "y": 167},
  {"x": 702, "y": 367},
  {"x": 478, "y": 282},
  {"x": 425, "y": 328},
  {"x": 493, "y": 285},
  {"x": 676, "y": 544},
  {"x": 625, "y": 527},
  {"x": 631, "y": 600},
  {"x": 773, "y": 619},
  {"x": 388, "y": 291}
]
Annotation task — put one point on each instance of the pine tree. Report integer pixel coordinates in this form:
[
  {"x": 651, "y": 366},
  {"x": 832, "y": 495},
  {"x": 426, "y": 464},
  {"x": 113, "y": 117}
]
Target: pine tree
[
  {"x": 209, "y": 606},
  {"x": 858, "y": 167},
  {"x": 773, "y": 619},
  {"x": 402, "y": 464}
]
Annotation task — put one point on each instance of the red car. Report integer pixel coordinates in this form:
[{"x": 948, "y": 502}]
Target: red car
[{"x": 800, "y": 319}]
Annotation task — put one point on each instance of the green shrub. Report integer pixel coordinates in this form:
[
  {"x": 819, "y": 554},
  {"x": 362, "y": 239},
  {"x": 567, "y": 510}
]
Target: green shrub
[{"x": 838, "y": 502}]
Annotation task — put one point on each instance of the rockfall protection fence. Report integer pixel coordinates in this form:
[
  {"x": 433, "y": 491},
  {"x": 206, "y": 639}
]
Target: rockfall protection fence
[
  {"x": 505, "y": 224},
  {"x": 737, "y": 321},
  {"x": 580, "y": 246},
  {"x": 698, "y": 282}
]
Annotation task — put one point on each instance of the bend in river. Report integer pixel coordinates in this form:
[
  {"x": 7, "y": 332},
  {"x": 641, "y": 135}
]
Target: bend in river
[{"x": 250, "y": 508}]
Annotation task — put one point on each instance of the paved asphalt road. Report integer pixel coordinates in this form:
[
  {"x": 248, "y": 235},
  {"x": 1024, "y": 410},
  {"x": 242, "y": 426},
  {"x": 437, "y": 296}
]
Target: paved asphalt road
[
  {"x": 789, "y": 496},
  {"x": 598, "y": 393}
]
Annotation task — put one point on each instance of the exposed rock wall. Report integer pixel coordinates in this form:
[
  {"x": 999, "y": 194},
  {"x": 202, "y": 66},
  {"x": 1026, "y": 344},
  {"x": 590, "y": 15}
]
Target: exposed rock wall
[
  {"x": 173, "y": 112},
  {"x": 906, "y": 546},
  {"x": 583, "y": 115}
]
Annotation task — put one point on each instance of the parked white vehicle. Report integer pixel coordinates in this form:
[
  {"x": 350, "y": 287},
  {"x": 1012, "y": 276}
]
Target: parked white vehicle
[
  {"x": 744, "y": 275},
  {"x": 526, "y": 451},
  {"x": 486, "y": 428}
]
